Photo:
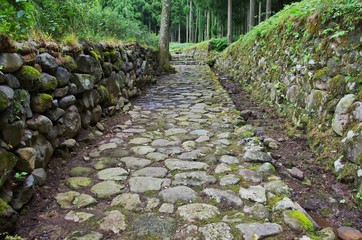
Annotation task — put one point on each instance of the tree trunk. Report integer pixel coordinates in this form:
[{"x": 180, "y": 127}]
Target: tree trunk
[
  {"x": 196, "y": 27},
  {"x": 164, "y": 36},
  {"x": 230, "y": 21},
  {"x": 190, "y": 22},
  {"x": 179, "y": 31},
  {"x": 247, "y": 18},
  {"x": 252, "y": 14},
  {"x": 268, "y": 8},
  {"x": 208, "y": 25},
  {"x": 187, "y": 28},
  {"x": 259, "y": 15}
]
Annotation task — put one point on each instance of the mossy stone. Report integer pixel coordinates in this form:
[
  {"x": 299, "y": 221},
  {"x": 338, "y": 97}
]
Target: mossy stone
[
  {"x": 29, "y": 78},
  {"x": 96, "y": 55},
  {"x": 41, "y": 102},
  {"x": 337, "y": 85},
  {"x": 4, "y": 101},
  {"x": 80, "y": 172},
  {"x": 48, "y": 83},
  {"x": 69, "y": 63},
  {"x": 103, "y": 92},
  {"x": 8, "y": 217},
  {"x": 303, "y": 220},
  {"x": 321, "y": 75},
  {"x": 7, "y": 163},
  {"x": 114, "y": 55}
]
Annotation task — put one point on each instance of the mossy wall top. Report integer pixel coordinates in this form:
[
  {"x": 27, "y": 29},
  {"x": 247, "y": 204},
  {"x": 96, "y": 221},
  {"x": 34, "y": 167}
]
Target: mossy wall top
[{"x": 307, "y": 61}]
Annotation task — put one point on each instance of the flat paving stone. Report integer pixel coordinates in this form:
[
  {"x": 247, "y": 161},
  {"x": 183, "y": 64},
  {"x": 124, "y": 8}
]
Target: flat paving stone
[
  {"x": 198, "y": 178},
  {"x": 107, "y": 189},
  {"x": 105, "y": 162},
  {"x": 135, "y": 163},
  {"x": 174, "y": 164},
  {"x": 114, "y": 221},
  {"x": 143, "y": 184},
  {"x": 107, "y": 146},
  {"x": 230, "y": 179},
  {"x": 253, "y": 193},
  {"x": 217, "y": 231},
  {"x": 116, "y": 174},
  {"x": 229, "y": 159},
  {"x": 142, "y": 150},
  {"x": 158, "y": 226},
  {"x": 74, "y": 200},
  {"x": 156, "y": 156},
  {"x": 179, "y": 193},
  {"x": 129, "y": 201},
  {"x": 140, "y": 141},
  {"x": 158, "y": 172},
  {"x": 197, "y": 211},
  {"x": 163, "y": 143},
  {"x": 225, "y": 198},
  {"x": 75, "y": 183},
  {"x": 85, "y": 235},
  {"x": 175, "y": 131},
  {"x": 78, "y": 216},
  {"x": 250, "y": 231}
]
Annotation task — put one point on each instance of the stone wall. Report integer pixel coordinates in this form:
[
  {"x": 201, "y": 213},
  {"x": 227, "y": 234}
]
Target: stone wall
[
  {"x": 50, "y": 96},
  {"x": 313, "y": 75}
]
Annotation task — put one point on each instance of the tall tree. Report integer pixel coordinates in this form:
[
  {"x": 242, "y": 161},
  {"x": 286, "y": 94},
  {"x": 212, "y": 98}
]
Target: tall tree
[
  {"x": 230, "y": 21},
  {"x": 252, "y": 14},
  {"x": 164, "y": 36},
  {"x": 268, "y": 8},
  {"x": 190, "y": 22}
]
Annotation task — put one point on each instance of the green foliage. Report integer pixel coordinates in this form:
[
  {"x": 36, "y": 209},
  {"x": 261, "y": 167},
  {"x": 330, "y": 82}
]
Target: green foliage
[
  {"x": 16, "y": 18},
  {"x": 218, "y": 44},
  {"x": 20, "y": 175}
]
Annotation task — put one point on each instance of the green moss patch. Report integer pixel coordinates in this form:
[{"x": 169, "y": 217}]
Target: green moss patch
[
  {"x": 29, "y": 78},
  {"x": 303, "y": 220}
]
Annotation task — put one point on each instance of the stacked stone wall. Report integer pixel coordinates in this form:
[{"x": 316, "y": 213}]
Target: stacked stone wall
[{"x": 51, "y": 96}]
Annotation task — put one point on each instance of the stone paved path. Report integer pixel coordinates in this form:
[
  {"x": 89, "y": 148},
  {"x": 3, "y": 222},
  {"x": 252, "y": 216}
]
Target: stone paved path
[{"x": 182, "y": 167}]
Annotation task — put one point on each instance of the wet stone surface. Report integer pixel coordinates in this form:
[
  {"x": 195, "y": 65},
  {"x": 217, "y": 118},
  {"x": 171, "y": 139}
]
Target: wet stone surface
[{"x": 172, "y": 168}]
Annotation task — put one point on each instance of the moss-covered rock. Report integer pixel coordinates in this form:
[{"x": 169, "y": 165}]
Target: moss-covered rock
[
  {"x": 4, "y": 101},
  {"x": 48, "y": 83},
  {"x": 10, "y": 62},
  {"x": 8, "y": 217},
  {"x": 337, "y": 85},
  {"x": 29, "y": 78},
  {"x": 7, "y": 163},
  {"x": 41, "y": 102},
  {"x": 298, "y": 221},
  {"x": 103, "y": 93},
  {"x": 69, "y": 63}
]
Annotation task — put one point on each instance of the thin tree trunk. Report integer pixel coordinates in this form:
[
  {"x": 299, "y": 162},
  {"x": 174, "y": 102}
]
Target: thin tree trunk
[
  {"x": 190, "y": 22},
  {"x": 252, "y": 14},
  {"x": 208, "y": 25},
  {"x": 164, "y": 36},
  {"x": 259, "y": 16},
  {"x": 179, "y": 31},
  {"x": 230, "y": 21},
  {"x": 187, "y": 29},
  {"x": 196, "y": 27},
  {"x": 247, "y": 18},
  {"x": 268, "y": 8}
]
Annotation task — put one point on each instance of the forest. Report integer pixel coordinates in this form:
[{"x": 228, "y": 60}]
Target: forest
[{"x": 128, "y": 20}]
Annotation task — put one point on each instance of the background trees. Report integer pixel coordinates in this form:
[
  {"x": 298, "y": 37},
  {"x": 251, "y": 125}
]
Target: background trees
[{"x": 191, "y": 20}]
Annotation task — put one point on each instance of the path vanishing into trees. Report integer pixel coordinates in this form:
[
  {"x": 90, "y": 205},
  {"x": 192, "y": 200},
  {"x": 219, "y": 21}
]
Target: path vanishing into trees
[{"x": 172, "y": 167}]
